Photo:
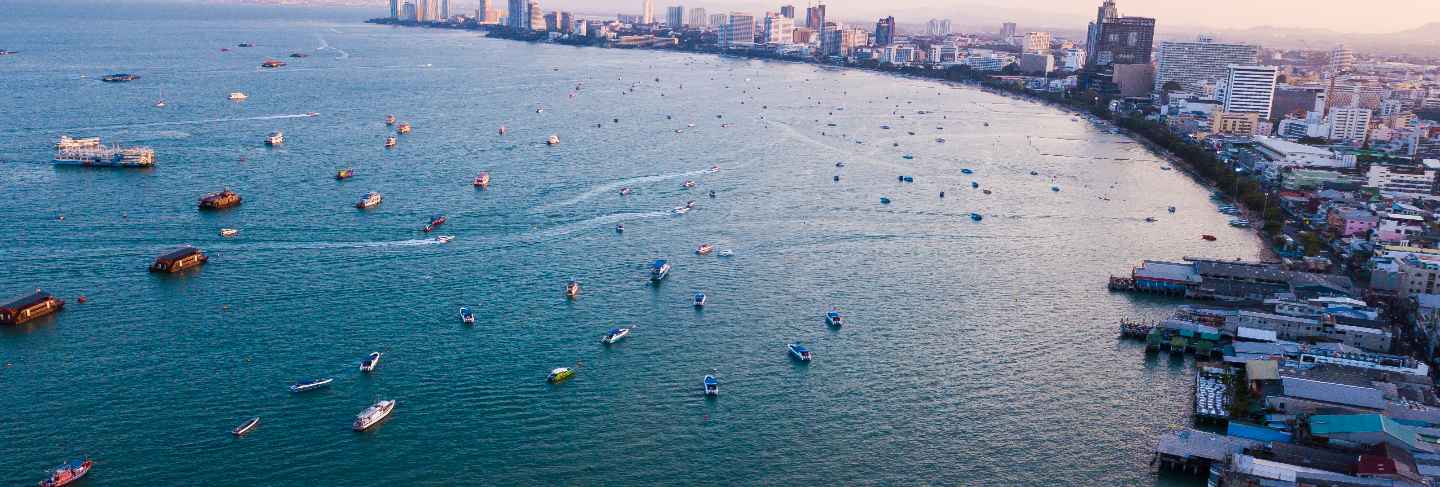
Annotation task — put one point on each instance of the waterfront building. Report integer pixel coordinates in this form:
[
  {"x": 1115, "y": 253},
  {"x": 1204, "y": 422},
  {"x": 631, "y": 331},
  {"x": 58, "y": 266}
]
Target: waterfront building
[
  {"x": 444, "y": 9},
  {"x": 1193, "y": 64},
  {"x": 815, "y": 18},
  {"x": 517, "y": 17},
  {"x": 788, "y": 11},
  {"x": 1007, "y": 30},
  {"x": 537, "y": 16},
  {"x": 1249, "y": 89},
  {"x": 675, "y": 16},
  {"x": 740, "y": 32},
  {"x": 395, "y": 9},
  {"x": 698, "y": 18},
  {"x": 552, "y": 22},
  {"x": 1036, "y": 43},
  {"x": 836, "y": 41},
  {"x": 1133, "y": 80},
  {"x": 647, "y": 12},
  {"x": 423, "y": 13},
  {"x": 885, "y": 31},
  {"x": 1350, "y": 125},
  {"x": 1037, "y": 63},
  {"x": 937, "y": 27},
  {"x": 407, "y": 12},
  {"x": 779, "y": 30},
  {"x": 803, "y": 35},
  {"x": 719, "y": 20},
  {"x": 1119, "y": 40},
  {"x": 1072, "y": 59}
]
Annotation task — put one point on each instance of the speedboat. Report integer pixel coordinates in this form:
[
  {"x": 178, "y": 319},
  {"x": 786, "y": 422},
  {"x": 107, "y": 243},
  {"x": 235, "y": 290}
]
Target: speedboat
[
  {"x": 690, "y": 204},
  {"x": 624, "y": 191},
  {"x": 560, "y": 374},
  {"x": 726, "y": 253},
  {"x": 272, "y": 63},
  {"x": 689, "y": 183},
  {"x": 552, "y": 140},
  {"x": 67, "y": 472},
  {"x": 370, "y": 362},
  {"x": 389, "y": 120},
  {"x": 985, "y": 191},
  {"x": 712, "y": 193},
  {"x": 466, "y": 316},
  {"x": 403, "y": 128},
  {"x": 483, "y": 180},
  {"x": 344, "y": 174},
  {"x": 246, "y": 426},
  {"x": 435, "y": 221},
  {"x": 229, "y": 232},
  {"x": 373, "y": 415},
  {"x": 680, "y": 210},
  {"x": 238, "y": 96},
  {"x": 799, "y": 352},
  {"x": 974, "y": 184},
  {"x": 699, "y": 299},
  {"x": 659, "y": 269},
  {"x": 572, "y": 289},
  {"x": 977, "y": 217},
  {"x": 445, "y": 238},
  {"x": 276, "y": 138},
  {"x": 503, "y": 130},
  {"x": 833, "y": 318},
  {"x": 390, "y": 142},
  {"x": 159, "y": 103},
  {"x": 712, "y": 386},
  {"x": 840, "y": 164},
  {"x": 704, "y": 249},
  {"x": 311, "y": 385},
  {"x": 908, "y": 156},
  {"x": 370, "y": 200},
  {"x": 614, "y": 335},
  {"x": 1034, "y": 173}
]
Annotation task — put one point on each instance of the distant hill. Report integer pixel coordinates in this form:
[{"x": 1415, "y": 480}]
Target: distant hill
[{"x": 1423, "y": 41}]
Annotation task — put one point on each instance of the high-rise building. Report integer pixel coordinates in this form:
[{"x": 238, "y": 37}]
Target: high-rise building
[
  {"x": 835, "y": 41},
  {"x": 408, "y": 11},
  {"x": 740, "y": 31},
  {"x": 698, "y": 18},
  {"x": 815, "y": 18},
  {"x": 1351, "y": 125},
  {"x": 788, "y": 11},
  {"x": 516, "y": 17},
  {"x": 937, "y": 27},
  {"x": 552, "y": 22},
  {"x": 425, "y": 10},
  {"x": 1036, "y": 43},
  {"x": 1194, "y": 64},
  {"x": 482, "y": 12},
  {"x": 444, "y": 9},
  {"x": 395, "y": 9},
  {"x": 719, "y": 20},
  {"x": 675, "y": 16},
  {"x": 1249, "y": 89},
  {"x": 779, "y": 30},
  {"x": 1007, "y": 30},
  {"x": 1342, "y": 60},
  {"x": 885, "y": 31},
  {"x": 1114, "y": 39},
  {"x": 537, "y": 16},
  {"x": 647, "y": 13}
]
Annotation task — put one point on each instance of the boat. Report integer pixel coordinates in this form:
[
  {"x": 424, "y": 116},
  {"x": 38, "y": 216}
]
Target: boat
[
  {"x": 344, "y": 174},
  {"x": 689, "y": 183},
  {"x": 712, "y": 193},
  {"x": 986, "y": 191},
  {"x": 4, "y": 52},
  {"x": 726, "y": 253},
  {"x": 712, "y": 386},
  {"x": 572, "y": 289},
  {"x": 238, "y": 96},
  {"x": 67, "y": 473},
  {"x": 1150, "y": 219},
  {"x": 690, "y": 204},
  {"x": 907, "y": 156},
  {"x": 310, "y": 385},
  {"x": 246, "y": 427},
  {"x": 403, "y": 128},
  {"x": 390, "y": 142},
  {"x": 29, "y": 307},
  {"x": 619, "y": 228},
  {"x": 370, "y": 362},
  {"x": 799, "y": 352},
  {"x": 276, "y": 138},
  {"x": 179, "y": 259},
  {"x": 1055, "y": 189},
  {"x": 299, "y": 55},
  {"x": 466, "y": 316},
  {"x": 974, "y": 184},
  {"x": 560, "y": 374},
  {"x": 503, "y": 130},
  {"x": 373, "y": 415},
  {"x": 833, "y": 318},
  {"x": 229, "y": 232},
  {"x": 246, "y": 44},
  {"x": 680, "y": 210},
  {"x": 614, "y": 335},
  {"x": 967, "y": 171},
  {"x": 1164, "y": 168},
  {"x": 552, "y": 140},
  {"x": 159, "y": 103},
  {"x": 1240, "y": 223},
  {"x": 389, "y": 120},
  {"x": 312, "y": 114},
  {"x": 625, "y": 191},
  {"x": 1172, "y": 209},
  {"x": 907, "y": 179},
  {"x": 699, "y": 299},
  {"x": 435, "y": 221},
  {"x": 659, "y": 269},
  {"x": 1208, "y": 238},
  {"x": 835, "y": 178},
  {"x": 1034, "y": 173},
  {"x": 884, "y": 200},
  {"x": 482, "y": 180},
  {"x": 223, "y": 199},
  {"x": 119, "y": 77},
  {"x": 272, "y": 63},
  {"x": 370, "y": 200},
  {"x": 704, "y": 249},
  {"x": 940, "y": 140},
  {"x": 713, "y": 169},
  {"x": 445, "y": 238},
  {"x": 91, "y": 153},
  {"x": 977, "y": 217}
]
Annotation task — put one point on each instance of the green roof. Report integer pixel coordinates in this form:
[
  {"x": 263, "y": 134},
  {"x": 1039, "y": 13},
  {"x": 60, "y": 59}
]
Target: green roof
[{"x": 1339, "y": 424}]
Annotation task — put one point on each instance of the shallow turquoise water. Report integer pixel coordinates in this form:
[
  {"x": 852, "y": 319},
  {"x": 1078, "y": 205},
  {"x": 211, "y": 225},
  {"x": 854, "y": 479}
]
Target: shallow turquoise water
[{"x": 976, "y": 353}]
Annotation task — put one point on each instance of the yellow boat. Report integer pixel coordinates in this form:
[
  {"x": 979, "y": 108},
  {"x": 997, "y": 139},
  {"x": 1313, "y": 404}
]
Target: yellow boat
[{"x": 560, "y": 375}]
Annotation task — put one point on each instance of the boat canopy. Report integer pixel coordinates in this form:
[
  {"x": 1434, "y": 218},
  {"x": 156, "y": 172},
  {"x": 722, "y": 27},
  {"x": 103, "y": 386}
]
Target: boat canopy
[
  {"x": 658, "y": 263},
  {"x": 614, "y": 331}
]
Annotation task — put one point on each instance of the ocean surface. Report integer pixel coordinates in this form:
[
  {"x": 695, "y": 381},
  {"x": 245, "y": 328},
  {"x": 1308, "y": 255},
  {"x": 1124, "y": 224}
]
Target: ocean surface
[{"x": 976, "y": 353}]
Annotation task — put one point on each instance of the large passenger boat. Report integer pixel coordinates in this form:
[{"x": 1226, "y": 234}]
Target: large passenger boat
[
  {"x": 90, "y": 152},
  {"x": 373, "y": 415},
  {"x": 179, "y": 259},
  {"x": 68, "y": 473},
  {"x": 223, "y": 199},
  {"x": 29, "y": 307}
]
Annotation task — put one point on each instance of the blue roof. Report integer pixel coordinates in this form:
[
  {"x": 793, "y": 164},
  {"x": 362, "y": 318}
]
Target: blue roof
[{"x": 1255, "y": 432}]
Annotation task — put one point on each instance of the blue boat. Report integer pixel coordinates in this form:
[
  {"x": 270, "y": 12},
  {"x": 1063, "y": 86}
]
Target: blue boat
[
  {"x": 799, "y": 352},
  {"x": 712, "y": 386},
  {"x": 907, "y": 156},
  {"x": 310, "y": 385},
  {"x": 966, "y": 171},
  {"x": 614, "y": 335},
  {"x": 884, "y": 200},
  {"x": 833, "y": 318},
  {"x": 659, "y": 269},
  {"x": 974, "y": 184},
  {"x": 977, "y": 217},
  {"x": 699, "y": 299},
  {"x": 1055, "y": 189},
  {"x": 466, "y": 316}
]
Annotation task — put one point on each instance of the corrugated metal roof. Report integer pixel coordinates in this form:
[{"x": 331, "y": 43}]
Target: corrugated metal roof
[
  {"x": 1257, "y": 334},
  {"x": 1170, "y": 271},
  {"x": 1257, "y": 433},
  {"x": 1262, "y": 370},
  {"x": 1333, "y": 393}
]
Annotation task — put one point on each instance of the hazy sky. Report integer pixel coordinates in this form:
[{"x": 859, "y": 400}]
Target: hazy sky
[{"x": 1345, "y": 16}]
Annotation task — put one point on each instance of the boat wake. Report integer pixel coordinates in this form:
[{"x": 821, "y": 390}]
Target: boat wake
[
  {"x": 181, "y": 122},
  {"x": 328, "y": 245},
  {"x": 326, "y": 45},
  {"x": 572, "y": 227},
  {"x": 614, "y": 187}
]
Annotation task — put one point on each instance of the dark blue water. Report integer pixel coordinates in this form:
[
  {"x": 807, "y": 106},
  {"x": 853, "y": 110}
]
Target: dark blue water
[{"x": 976, "y": 353}]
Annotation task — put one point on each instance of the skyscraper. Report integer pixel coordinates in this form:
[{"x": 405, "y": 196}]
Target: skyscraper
[
  {"x": 741, "y": 30},
  {"x": 815, "y": 17},
  {"x": 937, "y": 27},
  {"x": 647, "y": 14},
  {"x": 423, "y": 11},
  {"x": 395, "y": 9},
  {"x": 1250, "y": 89},
  {"x": 1194, "y": 64},
  {"x": 1342, "y": 60},
  {"x": 719, "y": 20},
  {"x": 779, "y": 30},
  {"x": 444, "y": 9},
  {"x": 407, "y": 11},
  {"x": 885, "y": 31},
  {"x": 698, "y": 18},
  {"x": 675, "y": 16},
  {"x": 787, "y": 11},
  {"x": 516, "y": 17},
  {"x": 567, "y": 22},
  {"x": 1007, "y": 30},
  {"x": 1119, "y": 40},
  {"x": 482, "y": 12},
  {"x": 537, "y": 16},
  {"x": 1036, "y": 43}
]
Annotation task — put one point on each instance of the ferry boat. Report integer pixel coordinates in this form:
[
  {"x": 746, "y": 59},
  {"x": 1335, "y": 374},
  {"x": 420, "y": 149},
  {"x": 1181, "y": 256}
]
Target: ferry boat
[
  {"x": 67, "y": 473},
  {"x": 704, "y": 249},
  {"x": 370, "y": 200},
  {"x": 560, "y": 374},
  {"x": 689, "y": 183},
  {"x": 238, "y": 95},
  {"x": 370, "y": 362},
  {"x": 389, "y": 120},
  {"x": 625, "y": 191},
  {"x": 483, "y": 180},
  {"x": 310, "y": 385},
  {"x": 552, "y": 140},
  {"x": 435, "y": 221},
  {"x": 712, "y": 386},
  {"x": 29, "y": 307},
  {"x": 614, "y": 335},
  {"x": 90, "y": 152},
  {"x": 659, "y": 269},
  {"x": 466, "y": 316},
  {"x": 276, "y": 138},
  {"x": 699, "y": 299},
  {"x": 271, "y": 63},
  {"x": 119, "y": 77},
  {"x": 223, "y": 199},
  {"x": 799, "y": 352},
  {"x": 572, "y": 289},
  {"x": 833, "y": 318},
  {"x": 389, "y": 142},
  {"x": 179, "y": 259},
  {"x": 403, "y": 128},
  {"x": 373, "y": 415},
  {"x": 246, "y": 427},
  {"x": 229, "y": 232},
  {"x": 344, "y": 174}
]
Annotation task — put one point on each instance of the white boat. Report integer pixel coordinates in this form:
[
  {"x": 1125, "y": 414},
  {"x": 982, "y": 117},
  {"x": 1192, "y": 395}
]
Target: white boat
[
  {"x": 799, "y": 352},
  {"x": 704, "y": 249},
  {"x": 680, "y": 210},
  {"x": 712, "y": 386},
  {"x": 624, "y": 191},
  {"x": 614, "y": 335},
  {"x": 374, "y": 414},
  {"x": 238, "y": 95},
  {"x": 699, "y": 299},
  {"x": 246, "y": 427},
  {"x": 553, "y": 140},
  {"x": 689, "y": 183},
  {"x": 726, "y": 253},
  {"x": 466, "y": 316},
  {"x": 445, "y": 238},
  {"x": 370, "y": 362},
  {"x": 229, "y": 232},
  {"x": 713, "y": 169},
  {"x": 311, "y": 385},
  {"x": 572, "y": 289},
  {"x": 276, "y": 138}
]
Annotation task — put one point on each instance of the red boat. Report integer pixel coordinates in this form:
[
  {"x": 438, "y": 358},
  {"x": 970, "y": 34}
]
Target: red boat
[
  {"x": 1208, "y": 238},
  {"x": 67, "y": 473},
  {"x": 483, "y": 180},
  {"x": 435, "y": 222}
]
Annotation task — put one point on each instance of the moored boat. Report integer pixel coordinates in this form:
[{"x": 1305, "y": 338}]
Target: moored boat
[
  {"x": 246, "y": 427},
  {"x": 572, "y": 289},
  {"x": 435, "y": 221},
  {"x": 659, "y": 269},
  {"x": 390, "y": 142},
  {"x": 344, "y": 174},
  {"x": 726, "y": 253},
  {"x": 700, "y": 299},
  {"x": 560, "y": 374},
  {"x": 276, "y": 138},
  {"x": 373, "y": 415},
  {"x": 272, "y": 63},
  {"x": 503, "y": 130},
  {"x": 67, "y": 473},
  {"x": 225, "y": 198},
  {"x": 624, "y": 191},
  {"x": 389, "y": 120},
  {"x": 310, "y": 385},
  {"x": 119, "y": 77},
  {"x": 552, "y": 140},
  {"x": 466, "y": 316},
  {"x": 1208, "y": 238},
  {"x": 229, "y": 232},
  {"x": 179, "y": 259},
  {"x": 1171, "y": 209},
  {"x": 884, "y": 200},
  {"x": 403, "y": 128},
  {"x": 704, "y": 249},
  {"x": 1240, "y": 223},
  {"x": 799, "y": 352},
  {"x": 238, "y": 96},
  {"x": 977, "y": 217},
  {"x": 29, "y": 307},
  {"x": 689, "y": 183},
  {"x": 712, "y": 386},
  {"x": 833, "y": 318},
  {"x": 370, "y": 200},
  {"x": 614, "y": 335},
  {"x": 619, "y": 228},
  {"x": 370, "y": 362},
  {"x": 482, "y": 180}
]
